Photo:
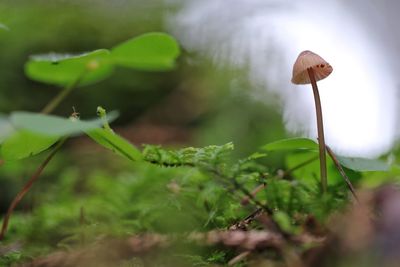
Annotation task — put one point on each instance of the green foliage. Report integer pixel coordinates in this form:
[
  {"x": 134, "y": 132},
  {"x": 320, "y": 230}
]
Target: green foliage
[
  {"x": 363, "y": 164},
  {"x": 11, "y": 258},
  {"x": 190, "y": 156},
  {"x": 35, "y": 133},
  {"x": 291, "y": 144},
  {"x": 142, "y": 199},
  {"x": 66, "y": 69},
  {"x": 49, "y": 125},
  {"x": 23, "y": 144},
  {"x": 116, "y": 143},
  {"x": 356, "y": 164},
  {"x": 152, "y": 51},
  {"x": 284, "y": 221},
  {"x": 308, "y": 172},
  {"x": 107, "y": 138}
]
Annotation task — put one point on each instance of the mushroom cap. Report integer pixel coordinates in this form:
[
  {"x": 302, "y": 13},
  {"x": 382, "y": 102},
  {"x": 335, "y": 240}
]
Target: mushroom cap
[{"x": 308, "y": 59}]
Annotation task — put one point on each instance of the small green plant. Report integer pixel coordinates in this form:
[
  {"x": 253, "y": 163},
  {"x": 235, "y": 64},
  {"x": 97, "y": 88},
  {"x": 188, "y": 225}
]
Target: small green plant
[{"x": 31, "y": 133}]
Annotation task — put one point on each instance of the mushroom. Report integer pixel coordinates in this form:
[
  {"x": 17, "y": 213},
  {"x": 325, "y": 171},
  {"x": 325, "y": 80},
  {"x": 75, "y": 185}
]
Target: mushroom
[{"x": 310, "y": 68}]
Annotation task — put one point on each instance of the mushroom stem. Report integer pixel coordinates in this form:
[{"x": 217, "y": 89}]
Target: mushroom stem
[{"x": 320, "y": 127}]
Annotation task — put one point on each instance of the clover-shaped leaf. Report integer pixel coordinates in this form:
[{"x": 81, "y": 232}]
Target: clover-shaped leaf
[
  {"x": 66, "y": 69},
  {"x": 150, "y": 52}
]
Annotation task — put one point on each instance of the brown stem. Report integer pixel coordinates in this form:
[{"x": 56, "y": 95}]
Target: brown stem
[
  {"x": 247, "y": 193},
  {"x": 46, "y": 110},
  {"x": 243, "y": 224},
  {"x": 26, "y": 188},
  {"x": 246, "y": 199},
  {"x": 341, "y": 171},
  {"x": 320, "y": 127}
]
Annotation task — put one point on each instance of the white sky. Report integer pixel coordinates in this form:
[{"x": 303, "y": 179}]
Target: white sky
[{"x": 359, "y": 98}]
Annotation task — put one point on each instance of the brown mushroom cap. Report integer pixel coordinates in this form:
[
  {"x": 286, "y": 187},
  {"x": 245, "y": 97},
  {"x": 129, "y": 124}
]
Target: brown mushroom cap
[{"x": 308, "y": 59}]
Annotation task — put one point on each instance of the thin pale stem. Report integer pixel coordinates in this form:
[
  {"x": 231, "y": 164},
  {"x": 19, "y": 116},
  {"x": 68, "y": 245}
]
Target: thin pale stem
[
  {"x": 27, "y": 187},
  {"x": 299, "y": 166},
  {"x": 341, "y": 171},
  {"x": 61, "y": 96},
  {"x": 320, "y": 127}
]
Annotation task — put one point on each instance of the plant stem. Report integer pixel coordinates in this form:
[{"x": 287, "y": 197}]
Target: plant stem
[
  {"x": 320, "y": 127},
  {"x": 62, "y": 95},
  {"x": 46, "y": 110},
  {"x": 26, "y": 188},
  {"x": 245, "y": 200},
  {"x": 299, "y": 166},
  {"x": 341, "y": 171}
]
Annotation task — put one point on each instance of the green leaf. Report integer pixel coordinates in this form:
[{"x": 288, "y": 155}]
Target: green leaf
[
  {"x": 66, "y": 69},
  {"x": 116, "y": 143},
  {"x": 50, "y": 125},
  {"x": 363, "y": 164},
  {"x": 304, "y": 165},
  {"x": 23, "y": 144},
  {"x": 151, "y": 52},
  {"x": 291, "y": 144},
  {"x": 356, "y": 164},
  {"x": 308, "y": 173}
]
